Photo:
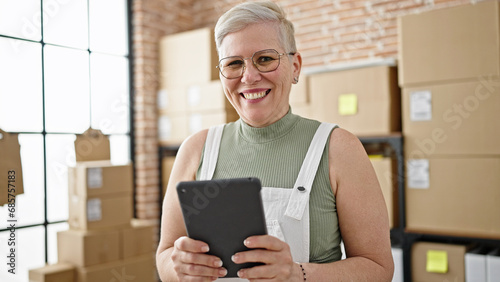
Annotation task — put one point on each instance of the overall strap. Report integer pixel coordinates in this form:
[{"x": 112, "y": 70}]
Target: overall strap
[
  {"x": 303, "y": 185},
  {"x": 211, "y": 153}
]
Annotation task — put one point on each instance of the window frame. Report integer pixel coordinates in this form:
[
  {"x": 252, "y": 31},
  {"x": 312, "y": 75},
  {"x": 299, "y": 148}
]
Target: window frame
[{"x": 131, "y": 135}]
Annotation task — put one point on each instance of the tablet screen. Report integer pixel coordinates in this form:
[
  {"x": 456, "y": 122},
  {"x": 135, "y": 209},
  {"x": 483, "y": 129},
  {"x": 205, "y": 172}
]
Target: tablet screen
[{"x": 223, "y": 213}]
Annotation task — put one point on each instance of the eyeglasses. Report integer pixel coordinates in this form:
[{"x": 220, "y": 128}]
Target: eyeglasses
[{"x": 264, "y": 61}]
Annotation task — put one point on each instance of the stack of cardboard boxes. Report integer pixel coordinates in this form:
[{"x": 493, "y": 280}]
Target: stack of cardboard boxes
[
  {"x": 364, "y": 100},
  {"x": 449, "y": 71},
  {"x": 191, "y": 96},
  {"x": 103, "y": 242},
  {"x": 450, "y": 75}
]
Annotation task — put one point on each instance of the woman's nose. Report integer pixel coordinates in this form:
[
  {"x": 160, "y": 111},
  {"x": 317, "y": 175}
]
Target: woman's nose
[{"x": 250, "y": 74}]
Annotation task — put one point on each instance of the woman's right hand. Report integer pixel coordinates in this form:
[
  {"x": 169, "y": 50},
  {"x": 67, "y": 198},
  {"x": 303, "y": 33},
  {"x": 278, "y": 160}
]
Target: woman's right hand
[{"x": 191, "y": 263}]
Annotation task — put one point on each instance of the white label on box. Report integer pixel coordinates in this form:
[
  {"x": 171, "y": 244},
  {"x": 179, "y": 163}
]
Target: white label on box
[
  {"x": 420, "y": 105},
  {"x": 164, "y": 128},
  {"x": 162, "y": 99},
  {"x": 194, "y": 95},
  {"x": 94, "y": 211},
  {"x": 418, "y": 174},
  {"x": 94, "y": 177},
  {"x": 195, "y": 123}
]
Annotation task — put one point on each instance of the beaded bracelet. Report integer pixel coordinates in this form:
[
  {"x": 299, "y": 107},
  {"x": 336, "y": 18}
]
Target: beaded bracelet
[{"x": 303, "y": 271}]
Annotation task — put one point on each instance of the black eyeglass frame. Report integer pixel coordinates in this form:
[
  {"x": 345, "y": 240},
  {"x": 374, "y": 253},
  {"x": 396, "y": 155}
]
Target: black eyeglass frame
[{"x": 253, "y": 62}]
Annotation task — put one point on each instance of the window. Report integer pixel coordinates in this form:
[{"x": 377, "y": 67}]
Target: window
[{"x": 64, "y": 67}]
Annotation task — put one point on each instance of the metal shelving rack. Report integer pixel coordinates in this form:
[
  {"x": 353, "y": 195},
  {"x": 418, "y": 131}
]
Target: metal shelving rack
[
  {"x": 400, "y": 237},
  {"x": 392, "y": 146}
]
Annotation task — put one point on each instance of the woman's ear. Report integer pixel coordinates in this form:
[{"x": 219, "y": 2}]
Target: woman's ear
[{"x": 296, "y": 65}]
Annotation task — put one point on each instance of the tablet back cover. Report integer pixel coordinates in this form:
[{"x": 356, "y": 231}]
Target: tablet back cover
[{"x": 223, "y": 213}]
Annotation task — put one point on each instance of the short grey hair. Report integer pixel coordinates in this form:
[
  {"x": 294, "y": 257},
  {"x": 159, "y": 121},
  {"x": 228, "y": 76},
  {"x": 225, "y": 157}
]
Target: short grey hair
[{"x": 248, "y": 13}]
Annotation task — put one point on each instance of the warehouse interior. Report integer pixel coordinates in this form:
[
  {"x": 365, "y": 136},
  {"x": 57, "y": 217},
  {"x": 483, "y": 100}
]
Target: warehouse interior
[{"x": 102, "y": 94}]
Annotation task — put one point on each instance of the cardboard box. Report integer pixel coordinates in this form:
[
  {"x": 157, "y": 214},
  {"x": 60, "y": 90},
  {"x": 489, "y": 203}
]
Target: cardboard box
[
  {"x": 207, "y": 97},
  {"x": 475, "y": 265},
  {"x": 493, "y": 266},
  {"x": 167, "y": 165},
  {"x": 188, "y": 57},
  {"x": 10, "y": 168},
  {"x": 59, "y": 272},
  {"x": 299, "y": 98},
  {"x": 94, "y": 178},
  {"x": 453, "y": 196},
  {"x": 172, "y": 100},
  {"x": 174, "y": 128},
  {"x": 364, "y": 101},
  {"x": 100, "y": 212},
  {"x": 137, "y": 269},
  {"x": 92, "y": 145},
  {"x": 386, "y": 170},
  {"x": 136, "y": 240},
  {"x": 449, "y": 44},
  {"x": 434, "y": 262},
  {"x": 452, "y": 119},
  {"x": 194, "y": 97},
  {"x": 299, "y": 94},
  {"x": 85, "y": 248},
  {"x": 202, "y": 120},
  {"x": 304, "y": 110}
]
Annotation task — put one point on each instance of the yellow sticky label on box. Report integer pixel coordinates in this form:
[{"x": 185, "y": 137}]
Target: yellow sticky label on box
[
  {"x": 437, "y": 261},
  {"x": 348, "y": 104}
]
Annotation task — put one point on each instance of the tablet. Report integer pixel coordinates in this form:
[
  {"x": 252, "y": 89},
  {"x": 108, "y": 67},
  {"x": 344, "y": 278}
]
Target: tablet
[{"x": 223, "y": 213}]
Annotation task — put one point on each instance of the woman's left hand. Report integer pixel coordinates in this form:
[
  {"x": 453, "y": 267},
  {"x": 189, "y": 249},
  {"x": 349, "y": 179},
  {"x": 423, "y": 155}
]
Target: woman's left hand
[{"x": 276, "y": 256}]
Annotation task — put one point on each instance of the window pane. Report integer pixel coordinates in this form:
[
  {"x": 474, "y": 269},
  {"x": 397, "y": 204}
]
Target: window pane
[
  {"x": 109, "y": 93},
  {"x": 65, "y": 23},
  {"x": 66, "y": 90},
  {"x": 21, "y": 19},
  {"x": 52, "y": 230},
  {"x": 21, "y": 86},
  {"x": 120, "y": 149},
  {"x": 60, "y": 155},
  {"x": 30, "y": 252},
  {"x": 108, "y": 26},
  {"x": 29, "y": 206}
]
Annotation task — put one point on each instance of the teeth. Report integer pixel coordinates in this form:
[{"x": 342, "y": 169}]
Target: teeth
[{"x": 252, "y": 96}]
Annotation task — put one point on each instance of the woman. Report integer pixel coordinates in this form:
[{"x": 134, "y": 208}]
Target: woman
[{"x": 309, "y": 209}]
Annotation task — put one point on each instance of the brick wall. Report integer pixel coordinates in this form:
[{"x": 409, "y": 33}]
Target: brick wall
[
  {"x": 151, "y": 20},
  {"x": 327, "y": 32}
]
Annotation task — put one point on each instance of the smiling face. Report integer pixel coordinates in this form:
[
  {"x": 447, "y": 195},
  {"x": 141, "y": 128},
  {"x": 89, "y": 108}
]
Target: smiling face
[{"x": 259, "y": 98}]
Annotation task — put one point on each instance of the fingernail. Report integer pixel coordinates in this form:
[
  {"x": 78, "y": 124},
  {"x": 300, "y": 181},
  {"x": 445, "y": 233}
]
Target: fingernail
[
  {"x": 241, "y": 273},
  {"x": 205, "y": 249},
  {"x": 246, "y": 242},
  {"x": 223, "y": 272},
  {"x": 218, "y": 263},
  {"x": 234, "y": 258}
]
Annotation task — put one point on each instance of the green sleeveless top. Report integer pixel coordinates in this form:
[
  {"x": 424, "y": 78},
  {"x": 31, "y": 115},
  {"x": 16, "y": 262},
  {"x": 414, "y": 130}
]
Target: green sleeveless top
[{"x": 274, "y": 154}]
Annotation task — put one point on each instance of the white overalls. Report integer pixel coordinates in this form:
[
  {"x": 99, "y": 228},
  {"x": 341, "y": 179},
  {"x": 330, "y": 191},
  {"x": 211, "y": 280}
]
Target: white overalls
[{"x": 286, "y": 210}]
